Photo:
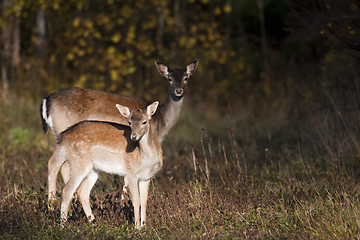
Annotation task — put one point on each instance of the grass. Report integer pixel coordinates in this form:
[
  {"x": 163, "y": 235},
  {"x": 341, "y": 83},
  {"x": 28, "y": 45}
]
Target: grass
[{"x": 234, "y": 176}]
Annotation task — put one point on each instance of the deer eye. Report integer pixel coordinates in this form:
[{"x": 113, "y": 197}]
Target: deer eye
[
  {"x": 170, "y": 80},
  {"x": 129, "y": 123},
  {"x": 186, "y": 78},
  {"x": 144, "y": 122}
]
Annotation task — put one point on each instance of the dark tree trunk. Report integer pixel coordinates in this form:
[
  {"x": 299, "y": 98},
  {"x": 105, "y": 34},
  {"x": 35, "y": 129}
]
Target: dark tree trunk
[{"x": 40, "y": 32}]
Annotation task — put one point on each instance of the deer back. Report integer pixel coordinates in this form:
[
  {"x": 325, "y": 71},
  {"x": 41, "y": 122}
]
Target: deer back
[{"x": 69, "y": 106}]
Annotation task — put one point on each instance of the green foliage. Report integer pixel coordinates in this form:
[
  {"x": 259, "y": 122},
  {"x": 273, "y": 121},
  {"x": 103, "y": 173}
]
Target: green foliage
[{"x": 20, "y": 139}]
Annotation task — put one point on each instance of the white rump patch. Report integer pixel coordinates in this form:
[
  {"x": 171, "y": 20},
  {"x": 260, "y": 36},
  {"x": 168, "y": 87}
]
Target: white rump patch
[
  {"x": 48, "y": 120},
  {"x": 44, "y": 109}
]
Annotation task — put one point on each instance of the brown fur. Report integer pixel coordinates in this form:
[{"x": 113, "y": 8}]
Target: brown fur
[{"x": 76, "y": 107}]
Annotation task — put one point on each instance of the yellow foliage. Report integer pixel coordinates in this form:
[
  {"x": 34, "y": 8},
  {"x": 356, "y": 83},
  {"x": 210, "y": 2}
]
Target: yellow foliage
[
  {"x": 193, "y": 29},
  {"x": 227, "y": 8},
  {"x": 170, "y": 21},
  {"x": 114, "y": 75},
  {"x": 122, "y": 37},
  {"x": 97, "y": 35},
  {"x": 351, "y": 31},
  {"x": 117, "y": 62},
  {"x": 217, "y": 11},
  {"x": 70, "y": 56},
  {"x": 130, "y": 34},
  {"x": 82, "y": 42},
  {"x": 89, "y": 24},
  {"x": 110, "y": 52},
  {"x": 56, "y": 5},
  {"x": 151, "y": 23},
  {"x": 103, "y": 20},
  {"x": 52, "y": 58},
  {"x": 187, "y": 42},
  {"x": 116, "y": 37},
  {"x": 81, "y": 81},
  {"x": 86, "y": 33},
  {"x": 79, "y": 5},
  {"x": 81, "y": 52},
  {"x": 120, "y": 21},
  {"x": 76, "y": 22},
  {"x": 129, "y": 54},
  {"x": 126, "y": 11}
]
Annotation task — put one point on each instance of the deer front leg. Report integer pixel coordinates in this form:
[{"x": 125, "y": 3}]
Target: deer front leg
[
  {"x": 135, "y": 198},
  {"x": 124, "y": 190},
  {"x": 144, "y": 190}
]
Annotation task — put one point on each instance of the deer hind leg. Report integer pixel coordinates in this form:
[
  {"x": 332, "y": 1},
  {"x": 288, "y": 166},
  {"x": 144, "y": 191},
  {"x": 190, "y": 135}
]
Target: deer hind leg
[
  {"x": 71, "y": 186},
  {"x": 144, "y": 190},
  {"x": 135, "y": 198},
  {"x": 65, "y": 172},
  {"x": 55, "y": 162},
  {"x": 84, "y": 192}
]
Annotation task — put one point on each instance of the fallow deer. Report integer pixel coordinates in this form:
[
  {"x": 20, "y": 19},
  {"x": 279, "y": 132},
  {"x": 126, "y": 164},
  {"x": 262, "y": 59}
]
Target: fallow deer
[
  {"x": 90, "y": 147},
  {"x": 66, "y": 107}
]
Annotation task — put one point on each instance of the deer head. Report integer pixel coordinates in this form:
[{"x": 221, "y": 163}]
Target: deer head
[
  {"x": 178, "y": 78},
  {"x": 138, "y": 119}
]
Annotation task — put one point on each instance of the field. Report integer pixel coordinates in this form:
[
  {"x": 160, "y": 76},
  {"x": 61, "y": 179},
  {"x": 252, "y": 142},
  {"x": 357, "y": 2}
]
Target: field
[
  {"x": 268, "y": 142},
  {"x": 235, "y": 175}
]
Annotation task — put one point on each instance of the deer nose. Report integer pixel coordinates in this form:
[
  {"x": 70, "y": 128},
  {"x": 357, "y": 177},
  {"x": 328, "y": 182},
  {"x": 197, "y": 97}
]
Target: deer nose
[
  {"x": 133, "y": 136},
  {"x": 178, "y": 91}
]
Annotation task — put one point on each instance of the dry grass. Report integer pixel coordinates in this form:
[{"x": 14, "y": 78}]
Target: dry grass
[{"x": 239, "y": 178}]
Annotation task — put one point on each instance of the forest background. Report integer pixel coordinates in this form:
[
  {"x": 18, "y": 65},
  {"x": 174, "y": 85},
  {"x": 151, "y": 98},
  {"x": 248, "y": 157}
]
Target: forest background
[{"x": 269, "y": 129}]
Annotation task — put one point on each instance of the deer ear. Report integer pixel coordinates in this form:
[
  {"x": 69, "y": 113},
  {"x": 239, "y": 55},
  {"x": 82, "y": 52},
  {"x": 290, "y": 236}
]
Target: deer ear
[
  {"x": 163, "y": 70},
  {"x": 123, "y": 110},
  {"x": 191, "y": 68},
  {"x": 151, "y": 109}
]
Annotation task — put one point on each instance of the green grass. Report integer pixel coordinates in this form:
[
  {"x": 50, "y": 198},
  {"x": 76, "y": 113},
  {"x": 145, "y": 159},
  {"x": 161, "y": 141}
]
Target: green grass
[{"x": 255, "y": 178}]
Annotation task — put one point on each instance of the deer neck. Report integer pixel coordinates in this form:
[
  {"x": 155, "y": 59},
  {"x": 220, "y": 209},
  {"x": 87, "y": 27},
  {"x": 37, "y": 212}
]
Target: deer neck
[
  {"x": 149, "y": 146},
  {"x": 168, "y": 115}
]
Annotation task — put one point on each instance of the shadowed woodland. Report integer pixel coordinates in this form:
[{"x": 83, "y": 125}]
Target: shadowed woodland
[{"x": 267, "y": 144}]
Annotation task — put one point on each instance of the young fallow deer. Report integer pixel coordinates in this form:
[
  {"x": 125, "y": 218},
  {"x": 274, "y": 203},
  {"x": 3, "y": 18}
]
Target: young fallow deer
[
  {"x": 93, "y": 146},
  {"x": 66, "y": 107}
]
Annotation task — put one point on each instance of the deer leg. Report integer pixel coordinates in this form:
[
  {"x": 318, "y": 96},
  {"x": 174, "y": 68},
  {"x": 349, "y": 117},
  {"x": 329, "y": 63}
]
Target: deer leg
[
  {"x": 65, "y": 172},
  {"x": 144, "y": 190},
  {"x": 124, "y": 190},
  {"x": 69, "y": 190},
  {"x": 54, "y": 165},
  {"x": 135, "y": 198},
  {"x": 84, "y": 192}
]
